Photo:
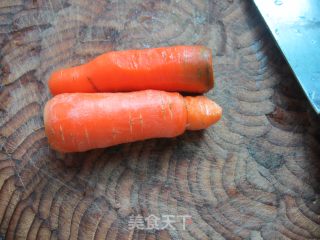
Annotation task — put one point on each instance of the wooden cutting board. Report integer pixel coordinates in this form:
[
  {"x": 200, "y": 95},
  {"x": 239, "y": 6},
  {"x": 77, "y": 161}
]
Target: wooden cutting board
[{"x": 255, "y": 175}]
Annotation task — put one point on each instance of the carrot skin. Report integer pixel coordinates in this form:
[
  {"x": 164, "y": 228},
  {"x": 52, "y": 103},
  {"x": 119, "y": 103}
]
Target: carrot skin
[
  {"x": 174, "y": 69},
  {"x": 79, "y": 122},
  {"x": 201, "y": 112}
]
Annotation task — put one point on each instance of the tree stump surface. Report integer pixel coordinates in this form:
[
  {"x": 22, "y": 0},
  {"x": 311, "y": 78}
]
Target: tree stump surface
[{"x": 254, "y": 175}]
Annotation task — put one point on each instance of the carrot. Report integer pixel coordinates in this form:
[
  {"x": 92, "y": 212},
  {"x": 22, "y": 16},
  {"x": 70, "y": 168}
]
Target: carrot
[
  {"x": 77, "y": 122},
  {"x": 175, "y": 69}
]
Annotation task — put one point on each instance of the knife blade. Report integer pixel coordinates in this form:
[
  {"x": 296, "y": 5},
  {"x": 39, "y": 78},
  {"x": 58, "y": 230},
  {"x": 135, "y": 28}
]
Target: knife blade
[{"x": 295, "y": 25}]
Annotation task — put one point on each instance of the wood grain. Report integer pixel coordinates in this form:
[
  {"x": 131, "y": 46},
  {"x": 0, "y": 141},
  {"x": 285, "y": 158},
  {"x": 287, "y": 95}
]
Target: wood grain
[{"x": 255, "y": 175}]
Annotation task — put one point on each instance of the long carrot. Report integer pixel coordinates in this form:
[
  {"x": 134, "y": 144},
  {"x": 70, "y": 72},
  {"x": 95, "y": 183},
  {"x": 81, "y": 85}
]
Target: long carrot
[
  {"x": 78, "y": 122},
  {"x": 175, "y": 69}
]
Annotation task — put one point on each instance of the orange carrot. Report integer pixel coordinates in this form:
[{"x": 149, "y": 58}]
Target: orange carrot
[
  {"x": 77, "y": 122},
  {"x": 175, "y": 69}
]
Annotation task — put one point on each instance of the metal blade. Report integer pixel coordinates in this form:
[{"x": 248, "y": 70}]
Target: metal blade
[{"x": 295, "y": 25}]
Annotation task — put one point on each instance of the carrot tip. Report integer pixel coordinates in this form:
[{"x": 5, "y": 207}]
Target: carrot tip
[{"x": 202, "y": 112}]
